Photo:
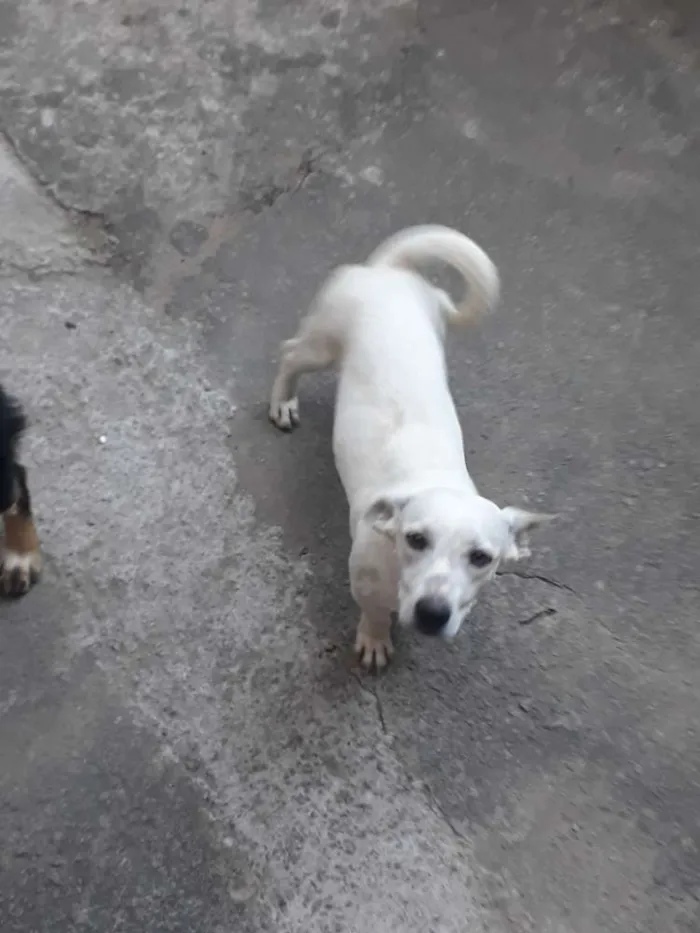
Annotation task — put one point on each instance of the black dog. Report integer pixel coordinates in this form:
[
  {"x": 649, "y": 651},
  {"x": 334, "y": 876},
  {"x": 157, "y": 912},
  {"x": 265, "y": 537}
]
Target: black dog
[{"x": 21, "y": 561}]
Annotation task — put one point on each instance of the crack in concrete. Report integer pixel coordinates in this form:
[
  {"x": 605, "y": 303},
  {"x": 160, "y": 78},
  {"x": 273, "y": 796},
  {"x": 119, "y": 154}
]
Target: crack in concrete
[
  {"x": 432, "y": 800},
  {"x": 540, "y": 614},
  {"x": 377, "y": 700},
  {"x": 171, "y": 270},
  {"x": 440, "y": 811},
  {"x": 93, "y": 224},
  {"x": 87, "y": 215},
  {"x": 263, "y": 197},
  {"x": 49, "y": 269},
  {"x": 308, "y": 166},
  {"x": 525, "y": 575}
]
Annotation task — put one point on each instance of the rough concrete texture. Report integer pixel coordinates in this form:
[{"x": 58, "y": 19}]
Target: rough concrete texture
[
  {"x": 39, "y": 240},
  {"x": 197, "y": 617},
  {"x": 190, "y": 746}
]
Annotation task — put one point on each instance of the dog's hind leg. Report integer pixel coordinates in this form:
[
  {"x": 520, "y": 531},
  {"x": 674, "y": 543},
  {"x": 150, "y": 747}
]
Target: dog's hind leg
[
  {"x": 20, "y": 563},
  {"x": 309, "y": 351}
]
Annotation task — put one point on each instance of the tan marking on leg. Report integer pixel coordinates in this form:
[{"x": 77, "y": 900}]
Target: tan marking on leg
[
  {"x": 20, "y": 533},
  {"x": 21, "y": 560}
]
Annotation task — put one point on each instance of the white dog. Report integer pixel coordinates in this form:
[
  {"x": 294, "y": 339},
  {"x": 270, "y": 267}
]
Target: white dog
[{"x": 424, "y": 541}]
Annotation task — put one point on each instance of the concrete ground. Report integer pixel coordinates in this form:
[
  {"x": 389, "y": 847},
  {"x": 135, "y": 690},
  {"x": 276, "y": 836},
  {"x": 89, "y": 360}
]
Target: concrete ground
[{"x": 186, "y": 744}]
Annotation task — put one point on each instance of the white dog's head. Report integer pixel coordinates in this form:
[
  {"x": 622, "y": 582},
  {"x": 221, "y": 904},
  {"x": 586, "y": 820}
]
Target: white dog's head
[{"x": 448, "y": 545}]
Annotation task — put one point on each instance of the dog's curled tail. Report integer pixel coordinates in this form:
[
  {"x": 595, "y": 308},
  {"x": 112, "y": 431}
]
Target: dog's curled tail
[{"x": 429, "y": 243}]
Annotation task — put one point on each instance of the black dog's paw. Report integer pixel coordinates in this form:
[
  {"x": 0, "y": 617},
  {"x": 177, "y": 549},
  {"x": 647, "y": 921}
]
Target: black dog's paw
[{"x": 18, "y": 572}]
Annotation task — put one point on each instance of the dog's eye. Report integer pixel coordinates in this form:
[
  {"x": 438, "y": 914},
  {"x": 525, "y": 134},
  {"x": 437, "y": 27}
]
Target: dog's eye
[
  {"x": 416, "y": 540},
  {"x": 479, "y": 558}
]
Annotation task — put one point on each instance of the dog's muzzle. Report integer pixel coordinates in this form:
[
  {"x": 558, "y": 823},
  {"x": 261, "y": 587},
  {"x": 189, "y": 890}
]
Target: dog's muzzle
[{"x": 431, "y": 614}]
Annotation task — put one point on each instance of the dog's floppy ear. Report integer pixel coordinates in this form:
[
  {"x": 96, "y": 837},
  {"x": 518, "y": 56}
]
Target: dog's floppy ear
[
  {"x": 383, "y": 515},
  {"x": 520, "y": 524}
]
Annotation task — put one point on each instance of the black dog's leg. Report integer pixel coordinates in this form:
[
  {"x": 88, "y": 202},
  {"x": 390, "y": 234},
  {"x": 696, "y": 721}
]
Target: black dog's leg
[{"x": 21, "y": 560}]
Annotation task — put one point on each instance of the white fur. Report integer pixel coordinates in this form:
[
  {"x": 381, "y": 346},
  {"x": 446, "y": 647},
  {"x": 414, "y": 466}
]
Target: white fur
[
  {"x": 397, "y": 439},
  {"x": 18, "y": 571}
]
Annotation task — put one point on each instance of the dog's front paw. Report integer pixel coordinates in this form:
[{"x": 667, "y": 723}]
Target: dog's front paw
[
  {"x": 18, "y": 572},
  {"x": 285, "y": 415},
  {"x": 373, "y": 652}
]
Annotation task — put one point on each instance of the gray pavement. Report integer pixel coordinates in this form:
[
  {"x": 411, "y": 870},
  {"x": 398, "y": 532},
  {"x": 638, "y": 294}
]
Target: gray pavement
[{"x": 185, "y": 742}]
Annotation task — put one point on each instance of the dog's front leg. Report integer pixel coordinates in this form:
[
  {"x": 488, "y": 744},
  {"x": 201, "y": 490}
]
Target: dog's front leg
[
  {"x": 20, "y": 563},
  {"x": 373, "y": 644},
  {"x": 373, "y": 584}
]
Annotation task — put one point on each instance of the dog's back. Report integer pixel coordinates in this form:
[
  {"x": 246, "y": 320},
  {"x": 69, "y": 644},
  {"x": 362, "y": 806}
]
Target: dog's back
[
  {"x": 394, "y": 412},
  {"x": 383, "y": 323}
]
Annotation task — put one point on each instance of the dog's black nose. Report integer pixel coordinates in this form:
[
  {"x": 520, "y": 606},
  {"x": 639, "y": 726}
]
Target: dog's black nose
[{"x": 432, "y": 614}]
